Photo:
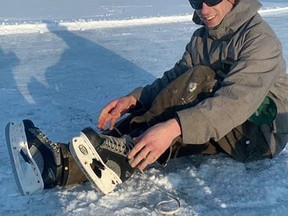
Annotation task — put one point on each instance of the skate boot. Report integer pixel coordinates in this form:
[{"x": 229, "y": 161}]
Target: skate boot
[
  {"x": 102, "y": 158},
  {"x": 37, "y": 162}
]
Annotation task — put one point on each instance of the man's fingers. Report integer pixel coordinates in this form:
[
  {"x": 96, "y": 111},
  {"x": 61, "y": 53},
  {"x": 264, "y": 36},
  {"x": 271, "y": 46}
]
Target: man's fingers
[
  {"x": 140, "y": 157},
  {"x": 120, "y": 108},
  {"x": 114, "y": 110},
  {"x": 106, "y": 116},
  {"x": 102, "y": 122},
  {"x": 150, "y": 159},
  {"x": 136, "y": 149},
  {"x": 112, "y": 123}
]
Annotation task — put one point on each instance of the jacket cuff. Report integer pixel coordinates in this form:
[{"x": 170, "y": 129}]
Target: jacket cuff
[
  {"x": 194, "y": 127},
  {"x": 136, "y": 93}
]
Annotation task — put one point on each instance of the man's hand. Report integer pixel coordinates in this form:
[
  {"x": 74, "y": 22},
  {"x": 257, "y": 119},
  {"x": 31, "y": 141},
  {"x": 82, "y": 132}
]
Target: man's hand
[
  {"x": 153, "y": 143},
  {"x": 114, "y": 110}
]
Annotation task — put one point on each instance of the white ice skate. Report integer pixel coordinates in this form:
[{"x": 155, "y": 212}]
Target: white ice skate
[
  {"x": 26, "y": 172},
  {"x": 92, "y": 165}
]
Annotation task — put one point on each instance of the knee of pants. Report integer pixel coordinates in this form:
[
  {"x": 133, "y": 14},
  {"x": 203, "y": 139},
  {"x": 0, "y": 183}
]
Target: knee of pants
[
  {"x": 183, "y": 92},
  {"x": 199, "y": 83},
  {"x": 201, "y": 73},
  {"x": 187, "y": 86}
]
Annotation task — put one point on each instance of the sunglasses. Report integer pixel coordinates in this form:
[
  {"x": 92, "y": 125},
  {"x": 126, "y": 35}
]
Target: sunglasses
[{"x": 198, "y": 4}]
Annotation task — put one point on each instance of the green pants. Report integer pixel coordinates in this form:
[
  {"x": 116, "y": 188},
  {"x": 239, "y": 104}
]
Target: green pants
[{"x": 243, "y": 143}]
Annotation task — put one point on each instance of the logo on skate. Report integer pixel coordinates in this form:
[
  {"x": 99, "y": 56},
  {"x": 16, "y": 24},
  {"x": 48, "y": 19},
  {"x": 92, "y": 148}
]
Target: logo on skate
[{"x": 83, "y": 149}]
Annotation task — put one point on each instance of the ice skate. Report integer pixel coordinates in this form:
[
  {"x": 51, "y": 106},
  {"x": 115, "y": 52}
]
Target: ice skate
[{"x": 103, "y": 159}]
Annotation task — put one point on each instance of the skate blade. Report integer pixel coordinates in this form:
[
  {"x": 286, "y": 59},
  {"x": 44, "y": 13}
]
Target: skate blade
[
  {"x": 84, "y": 154},
  {"x": 26, "y": 172}
]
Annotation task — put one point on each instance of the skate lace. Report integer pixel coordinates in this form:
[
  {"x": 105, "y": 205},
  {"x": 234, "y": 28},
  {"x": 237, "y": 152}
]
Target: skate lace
[
  {"x": 121, "y": 145},
  {"x": 43, "y": 138},
  {"x": 115, "y": 143},
  {"x": 160, "y": 205}
]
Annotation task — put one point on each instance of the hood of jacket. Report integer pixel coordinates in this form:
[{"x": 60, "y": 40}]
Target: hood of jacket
[{"x": 241, "y": 12}]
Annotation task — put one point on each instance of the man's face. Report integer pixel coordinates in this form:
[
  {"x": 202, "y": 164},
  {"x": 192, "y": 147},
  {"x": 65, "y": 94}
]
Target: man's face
[{"x": 213, "y": 16}]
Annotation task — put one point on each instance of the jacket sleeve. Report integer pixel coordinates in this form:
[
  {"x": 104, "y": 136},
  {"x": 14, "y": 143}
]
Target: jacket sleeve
[
  {"x": 260, "y": 62},
  {"x": 146, "y": 95}
]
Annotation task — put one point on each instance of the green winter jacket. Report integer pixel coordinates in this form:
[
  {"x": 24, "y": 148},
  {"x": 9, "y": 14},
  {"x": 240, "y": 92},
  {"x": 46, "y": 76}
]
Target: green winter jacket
[{"x": 247, "y": 56}]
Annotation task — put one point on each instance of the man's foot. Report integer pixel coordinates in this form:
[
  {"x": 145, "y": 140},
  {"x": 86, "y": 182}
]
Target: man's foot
[
  {"x": 33, "y": 157},
  {"x": 103, "y": 159}
]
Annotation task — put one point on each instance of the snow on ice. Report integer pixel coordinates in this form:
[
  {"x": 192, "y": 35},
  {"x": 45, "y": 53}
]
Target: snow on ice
[{"x": 61, "y": 61}]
